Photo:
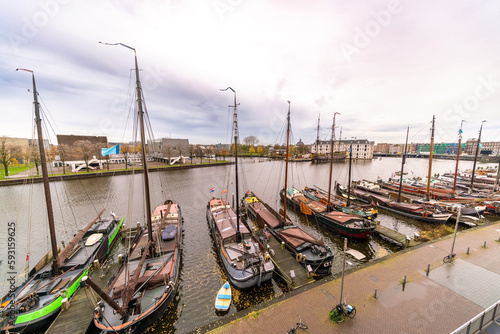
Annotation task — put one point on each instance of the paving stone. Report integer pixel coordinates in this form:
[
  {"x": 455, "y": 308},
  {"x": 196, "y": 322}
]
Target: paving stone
[{"x": 475, "y": 283}]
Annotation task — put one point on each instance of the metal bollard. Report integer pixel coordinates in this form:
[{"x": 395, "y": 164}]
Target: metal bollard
[
  {"x": 404, "y": 282},
  {"x": 468, "y": 250},
  {"x": 428, "y": 269},
  {"x": 484, "y": 246},
  {"x": 375, "y": 294}
]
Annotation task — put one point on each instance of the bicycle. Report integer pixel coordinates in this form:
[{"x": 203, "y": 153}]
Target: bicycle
[
  {"x": 448, "y": 258},
  {"x": 299, "y": 324},
  {"x": 342, "y": 310}
]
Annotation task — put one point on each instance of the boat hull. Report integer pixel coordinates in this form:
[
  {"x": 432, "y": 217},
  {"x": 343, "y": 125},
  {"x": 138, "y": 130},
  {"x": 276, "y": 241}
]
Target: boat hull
[
  {"x": 41, "y": 317},
  {"x": 320, "y": 265},
  {"x": 107, "y": 321},
  {"x": 361, "y": 233}
]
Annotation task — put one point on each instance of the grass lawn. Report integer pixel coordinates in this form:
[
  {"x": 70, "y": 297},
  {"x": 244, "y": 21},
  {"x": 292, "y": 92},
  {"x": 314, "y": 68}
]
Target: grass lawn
[{"x": 13, "y": 169}]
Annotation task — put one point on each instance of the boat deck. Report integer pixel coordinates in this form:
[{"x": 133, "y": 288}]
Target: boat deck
[
  {"x": 396, "y": 237},
  {"x": 80, "y": 313},
  {"x": 284, "y": 263}
]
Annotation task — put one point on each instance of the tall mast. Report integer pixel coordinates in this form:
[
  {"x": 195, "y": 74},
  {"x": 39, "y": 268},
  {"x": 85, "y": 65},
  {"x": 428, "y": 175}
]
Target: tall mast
[
  {"x": 403, "y": 161},
  {"x": 46, "y": 186},
  {"x": 286, "y": 159},
  {"x": 332, "y": 143},
  {"x": 140, "y": 113},
  {"x": 475, "y": 156},
  {"x": 349, "y": 177},
  {"x": 317, "y": 136},
  {"x": 458, "y": 155},
  {"x": 430, "y": 160},
  {"x": 235, "y": 125}
]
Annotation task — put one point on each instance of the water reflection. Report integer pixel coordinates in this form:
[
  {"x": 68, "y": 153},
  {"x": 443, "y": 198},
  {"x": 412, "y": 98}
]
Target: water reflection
[{"x": 78, "y": 201}]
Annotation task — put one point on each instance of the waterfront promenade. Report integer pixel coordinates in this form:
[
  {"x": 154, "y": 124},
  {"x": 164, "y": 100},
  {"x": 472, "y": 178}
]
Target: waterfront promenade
[{"x": 450, "y": 296}]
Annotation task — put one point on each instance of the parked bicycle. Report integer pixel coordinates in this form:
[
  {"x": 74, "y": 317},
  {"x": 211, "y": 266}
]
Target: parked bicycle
[
  {"x": 342, "y": 310},
  {"x": 299, "y": 324},
  {"x": 448, "y": 258}
]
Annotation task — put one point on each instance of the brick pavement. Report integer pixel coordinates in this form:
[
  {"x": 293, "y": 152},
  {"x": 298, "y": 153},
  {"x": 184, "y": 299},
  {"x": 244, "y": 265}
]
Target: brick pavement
[{"x": 426, "y": 305}]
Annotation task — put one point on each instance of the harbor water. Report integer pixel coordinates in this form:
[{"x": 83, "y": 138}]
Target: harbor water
[{"x": 76, "y": 202}]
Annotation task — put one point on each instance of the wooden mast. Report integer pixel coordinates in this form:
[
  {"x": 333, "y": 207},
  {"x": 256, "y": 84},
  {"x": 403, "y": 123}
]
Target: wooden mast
[
  {"x": 332, "y": 143},
  {"x": 45, "y": 174},
  {"x": 403, "y": 161},
  {"x": 317, "y": 137},
  {"x": 235, "y": 125},
  {"x": 458, "y": 155},
  {"x": 140, "y": 113},
  {"x": 475, "y": 156},
  {"x": 430, "y": 160},
  {"x": 349, "y": 177},
  {"x": 286, "y": 160}
]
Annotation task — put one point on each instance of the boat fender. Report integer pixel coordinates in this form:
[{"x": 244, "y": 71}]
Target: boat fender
[
  {"x": 267, "y": 257},
  {"x": 425, "y": 214}
]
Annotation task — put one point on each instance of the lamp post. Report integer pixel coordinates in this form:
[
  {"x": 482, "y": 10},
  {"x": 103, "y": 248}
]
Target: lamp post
[
  {"x": 475, "y": 156},
  {"x": 235, "y": 124}
]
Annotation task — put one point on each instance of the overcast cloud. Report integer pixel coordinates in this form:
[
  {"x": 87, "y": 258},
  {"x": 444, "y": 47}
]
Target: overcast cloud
[{"x": 382, "y": 64}]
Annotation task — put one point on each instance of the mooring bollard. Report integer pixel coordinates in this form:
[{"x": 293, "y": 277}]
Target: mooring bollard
[
  {"x": 375, "y": 293},
  {"x": 467, "y": 250},
  {"x": 428, "y": 269},
  {"x": 404, "y": 282}
]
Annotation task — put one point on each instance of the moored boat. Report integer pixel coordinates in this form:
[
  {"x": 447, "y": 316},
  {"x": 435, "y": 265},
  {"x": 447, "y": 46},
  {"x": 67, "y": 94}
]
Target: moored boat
[
  {"x": 340, "y": 203},
  {"x": 309, "y": 250},
  {"x": 146, "y": 283},
  {"x": 243, "y": 258},
  {"x": 32, "y": 306}
]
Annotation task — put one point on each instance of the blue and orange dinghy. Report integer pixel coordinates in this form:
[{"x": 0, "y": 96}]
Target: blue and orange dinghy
[{"x": 223, "y": 300}]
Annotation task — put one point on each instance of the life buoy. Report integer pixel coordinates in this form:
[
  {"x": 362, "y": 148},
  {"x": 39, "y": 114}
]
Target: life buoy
[{"x": 299, "y": 257}]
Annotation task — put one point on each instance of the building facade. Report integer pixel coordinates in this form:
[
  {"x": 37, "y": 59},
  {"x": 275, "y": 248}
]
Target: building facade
[
  {"x": 492, "y": 147},
  {"x": 361, "y": 148}
]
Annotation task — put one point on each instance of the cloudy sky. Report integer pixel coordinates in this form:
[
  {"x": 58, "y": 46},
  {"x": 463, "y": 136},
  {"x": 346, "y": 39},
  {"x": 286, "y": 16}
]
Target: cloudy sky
[{"x": 383, "y": 65}]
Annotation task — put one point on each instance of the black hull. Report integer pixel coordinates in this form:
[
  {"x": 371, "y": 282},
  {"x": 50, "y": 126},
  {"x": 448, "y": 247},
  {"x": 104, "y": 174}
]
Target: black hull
[{"x": 317, "y": 266}]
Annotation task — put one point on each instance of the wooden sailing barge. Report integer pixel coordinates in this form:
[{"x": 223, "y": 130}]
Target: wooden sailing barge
[
  {"x": 243, "y": 258},
  {"x": 147, "y": 282},
  {"x": 36, "y": 302}
]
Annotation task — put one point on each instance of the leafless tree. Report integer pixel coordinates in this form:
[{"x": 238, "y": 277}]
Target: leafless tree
[
  {"x": 5, "y": 155},
  {"x": 84, "y": 149},
  {"x": 251, "y": 140},
  {"x": 199, "y": 152},
  {"x": 34, "y": 156},
  {"x": 183, "y": 150},
  {"x": 167, "y": 151},
  {"x": 63, "y": 151},
  {"x": 125, "y": 150}
]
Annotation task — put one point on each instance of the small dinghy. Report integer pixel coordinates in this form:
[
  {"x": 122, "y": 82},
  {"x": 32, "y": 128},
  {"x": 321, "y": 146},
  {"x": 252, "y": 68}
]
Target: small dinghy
[{"x": 223, "y": 300}]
